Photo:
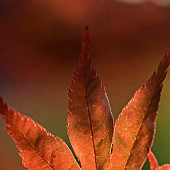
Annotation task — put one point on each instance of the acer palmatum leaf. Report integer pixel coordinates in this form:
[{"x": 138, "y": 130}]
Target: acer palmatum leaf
[
  {"x": 90, "y": 121},
  {"x": 135, "y": 127},
  {"x": 154, "y": 163},
  {"x": 38, "y": 149},
  {"x": 90, "y": 125}
]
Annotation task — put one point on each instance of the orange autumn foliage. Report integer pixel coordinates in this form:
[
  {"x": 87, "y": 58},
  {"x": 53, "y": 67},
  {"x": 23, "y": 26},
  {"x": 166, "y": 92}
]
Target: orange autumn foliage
[{"x": 97, "y": 142}]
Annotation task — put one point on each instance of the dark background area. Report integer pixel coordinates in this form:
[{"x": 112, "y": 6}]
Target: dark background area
[{"x": 39, "y": 47}]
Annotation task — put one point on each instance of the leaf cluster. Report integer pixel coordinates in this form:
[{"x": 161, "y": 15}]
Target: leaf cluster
[{"x": 98, "y": 142}]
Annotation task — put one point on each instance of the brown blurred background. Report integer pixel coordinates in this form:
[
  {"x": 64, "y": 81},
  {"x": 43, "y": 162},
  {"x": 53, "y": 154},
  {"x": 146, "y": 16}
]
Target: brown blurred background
[{"x": 39, "y": 47}]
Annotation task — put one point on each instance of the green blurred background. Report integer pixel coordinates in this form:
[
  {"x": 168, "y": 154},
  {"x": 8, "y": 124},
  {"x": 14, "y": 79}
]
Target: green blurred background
[{"x": 40, "y": 42}]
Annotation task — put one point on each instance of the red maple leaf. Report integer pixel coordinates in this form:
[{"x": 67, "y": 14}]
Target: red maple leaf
[{"x": 98, "y": 144}]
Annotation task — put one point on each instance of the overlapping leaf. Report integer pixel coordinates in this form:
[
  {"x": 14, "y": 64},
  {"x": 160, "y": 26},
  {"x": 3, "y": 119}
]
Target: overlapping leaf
[
  {"x": 152, "y": 160},
  {"x": 154, "y": 163},
  {"x": 90, "y": 122},
  {"x": 134, "y": 130},
  {"x": 38, "y": 149}
]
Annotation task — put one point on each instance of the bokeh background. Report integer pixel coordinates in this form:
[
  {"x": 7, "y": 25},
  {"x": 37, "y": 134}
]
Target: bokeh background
[{"x": 40, "y": 42}]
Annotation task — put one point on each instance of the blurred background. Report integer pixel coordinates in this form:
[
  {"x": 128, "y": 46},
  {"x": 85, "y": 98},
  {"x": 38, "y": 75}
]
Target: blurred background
[{"x": 39, "y": 47}]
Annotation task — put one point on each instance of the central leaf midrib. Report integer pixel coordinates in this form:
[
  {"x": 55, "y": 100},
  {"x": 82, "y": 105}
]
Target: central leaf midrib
[{"x": 89, "y": 117}]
